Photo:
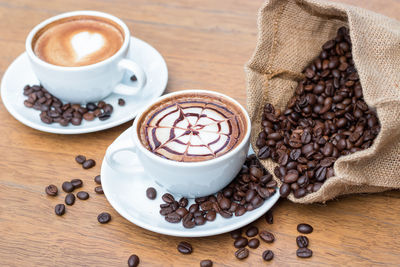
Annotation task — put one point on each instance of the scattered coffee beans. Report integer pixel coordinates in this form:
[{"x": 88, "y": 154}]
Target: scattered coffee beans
[
  {"x": 67, "y": 187},
  {"x": 326, "y": 118},
  {"x": 254, "y": 243},
  {"x": 51, "y": 190},
  {"x": 151, "y": 193},
  {"x": 267, "y": 236},
  {"x": 245, "y": 193},
  {"x": 59, "y": 209},
  {"x": 252, "y": 231},
  {"x": 304, "y": 253},
  {"x": 90, "y": 163},
  {"x": 242, "y": 253},
  {"x": 185, "y": 248},
  {"x": 302, "y": 241},
  {"x": 104, "y": 217},
  {"x": 53, "y": 110},
  {"x": 304, "y": 228},
  {"x": 82, "y": 195},
  {"x": 268, "y": 255},
  {"x": 97, "y": 179},
  {"x": 133, "y": 261},
  {"x": 70, "y": 199},
  {"x": 206, "y": 263},
  {"x": 77, "y": 183},
  {"x": 80, "y": 159},
  {"x": 121, "y": 102},
  {"x": 99, "y": 189}
]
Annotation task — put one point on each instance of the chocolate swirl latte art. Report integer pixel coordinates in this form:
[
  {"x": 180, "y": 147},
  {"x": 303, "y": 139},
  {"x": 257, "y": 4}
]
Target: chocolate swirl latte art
[{"x": 192, "y": 127}]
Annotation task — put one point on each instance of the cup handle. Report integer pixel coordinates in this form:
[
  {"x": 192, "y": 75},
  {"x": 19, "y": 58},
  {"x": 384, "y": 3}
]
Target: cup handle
[
  {"x": 118, "y": 166},
  {"x": 123, "y": 89}
]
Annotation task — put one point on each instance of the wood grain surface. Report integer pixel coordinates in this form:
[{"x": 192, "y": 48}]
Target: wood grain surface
[{"x": 206, "y": 44}]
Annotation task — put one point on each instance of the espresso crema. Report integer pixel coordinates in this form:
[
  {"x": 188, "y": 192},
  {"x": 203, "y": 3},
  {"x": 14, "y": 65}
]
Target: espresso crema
[
  {"x": 78, "y": 41},
  {"x": 192, "y": 127}
]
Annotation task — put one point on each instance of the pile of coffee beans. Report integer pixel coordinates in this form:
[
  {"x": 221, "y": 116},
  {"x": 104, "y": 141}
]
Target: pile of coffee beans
[
  {"x": 326, "y": 118},
  {"x": 53, "y": 110},
  {"x": 302, "y": 241},
  {"x": 246, "y": 192}
]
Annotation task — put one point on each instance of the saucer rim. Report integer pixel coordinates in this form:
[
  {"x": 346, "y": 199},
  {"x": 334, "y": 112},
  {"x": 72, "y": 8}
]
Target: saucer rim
[
  {"x": 68, "y": 131},
  {"x": 194, "y": 232}
]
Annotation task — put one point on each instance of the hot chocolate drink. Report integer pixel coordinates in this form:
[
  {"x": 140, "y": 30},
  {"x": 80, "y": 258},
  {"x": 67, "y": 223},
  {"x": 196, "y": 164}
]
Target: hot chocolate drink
[
  {"x": 192, "y": 127},
  {"x": 78, "y": 41}
]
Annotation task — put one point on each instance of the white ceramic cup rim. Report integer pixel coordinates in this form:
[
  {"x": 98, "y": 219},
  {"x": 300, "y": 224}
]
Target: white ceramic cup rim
[
  {"x": 32, "y": 33},
  {"x": 216, "y": 160}
]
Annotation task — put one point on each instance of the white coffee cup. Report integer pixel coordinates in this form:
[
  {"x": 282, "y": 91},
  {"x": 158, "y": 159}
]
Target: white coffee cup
[
  {"x": 88, "y": 83},
  {"x": 188, "y": 179}
]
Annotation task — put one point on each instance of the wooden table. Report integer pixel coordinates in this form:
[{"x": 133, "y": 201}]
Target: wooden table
[{"x": 205, "y": 44}]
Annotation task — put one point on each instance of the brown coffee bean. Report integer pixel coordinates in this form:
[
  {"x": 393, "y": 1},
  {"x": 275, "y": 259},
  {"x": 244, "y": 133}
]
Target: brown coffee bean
[
  {"x": 104, "y": 217},
  {"x": 267, "y": 255},
  {"x": 90, "y": 163},
  {"x": 59, "y": 209},
  {"x": 77, "y": 183},
  {"x": 302, "y": 241},
  {"x": 97, "y": 179},
  {"x": 206, "y": 263},
  {"x": 267, "y": 236},
  {"x": 240, "y": 242},
  {"x": 211, "y": 215},
  {"x": 80, "y": 159},
  {"x": 269, "y": 217},
  {"x": 133, "y": 260},
  {"x": 173, "y": 217},
  {"x": 284, "y": 190},
  {"x": 185, "y": 247},
  {"x": 242, "y": 253},
  {"x": 51, "y": 190},
  {"x": 99, "y": 189},
  {"x": 254, "y": 243},
  {"x": 121, "y": 102},
  {"x": 183, "y": 202},
  {"x": 67, "y": 187},
  {"x": 252, "y": 231},
  {"x": 304, "y": 253},
  {"x": 82, "y": 195},
  {"x": 151, "y": 193},
  {"x": 304, "y": 228},
  {"x": 88, "y": 116},
  {"x": 168, "y": 198},
  {"x": 187, "y": 221},
  {"x": 70, "y": 199}
]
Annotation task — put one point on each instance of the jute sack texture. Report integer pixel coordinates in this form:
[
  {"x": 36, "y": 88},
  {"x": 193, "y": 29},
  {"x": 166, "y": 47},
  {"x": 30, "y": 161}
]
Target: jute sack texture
[{"x": 290, "y": 36}]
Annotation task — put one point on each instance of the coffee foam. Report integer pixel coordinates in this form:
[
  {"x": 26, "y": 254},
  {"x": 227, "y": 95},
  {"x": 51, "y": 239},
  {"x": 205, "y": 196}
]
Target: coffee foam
[
  {"x": 78, "y": 41},
  {"x": 192, "y": 128}
]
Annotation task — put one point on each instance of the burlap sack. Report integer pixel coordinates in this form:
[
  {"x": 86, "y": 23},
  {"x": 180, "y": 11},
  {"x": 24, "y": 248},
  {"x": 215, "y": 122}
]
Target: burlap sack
[{"x": 291, "y": 33}]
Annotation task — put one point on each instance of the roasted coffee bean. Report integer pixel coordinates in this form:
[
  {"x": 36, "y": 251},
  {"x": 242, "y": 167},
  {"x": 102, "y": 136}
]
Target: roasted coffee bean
[
  {"x": 182, "y": 212},
  {"x": 104, "y": 117},
  {"x": 97, "y": 179},
  {"x": 187, "y": 221},
  {"x": 77, "y": 183},
  {"x": 168, "y": 198},
  {"x": 185, "y": 247},
  {"x": 240, "y": 211},
  {"x": 236, "y": 233},
  {"x": 269, "y": 217},
  {"x": 88, "y": 116},
  {"x": 267, "y": 255},
  {"x": 173, "y": 217},
  {"x": 207, "y": 205},
  {"x": 211, "y": 215},
  {"x": 300, "y": 192},
  {"x": 284, "y": 190},
  {"x": 252, "y": 231},
  {"x": 90, "y": 163},
  {"x": 51, "y": 190},
  {"x": 240, "y": 242},
  {"x": 242, "y": 253},
  {"x": 59, "y": 209},
  {"x": 67, "y": 187},
  {"x": 254, "y": 243},
  {"x": 225, "y": 214},
  {"x": 82, "y": 195},
  {"x": 206, "y": 263},
  {"x": 199, "y": 220},
  {"x": 133, "y": 261},
  {"x": 121, "y": 102},
  {"x": 151, "y": 193},
  {"x": 104, "y": 217},
  {"x": 80, "y": 159},
  {"x": 267, "y": 236},
  {"x": 193, "y": 208},
  {"x": 70, "y": 199},
  {"x": 91, "y": 106},
  {"x": 183, "y": 202},
  {"x": 304, "y": 228},
  {"x": 302, "y": 241},
  {"x": 304, "y": 253},
  {"x": 99, "y": 189}
]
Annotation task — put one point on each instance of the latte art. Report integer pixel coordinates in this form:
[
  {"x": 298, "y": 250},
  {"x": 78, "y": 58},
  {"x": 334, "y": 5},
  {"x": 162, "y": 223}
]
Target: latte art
[
  {"x": 78, "y": 41},
  {"x": 192, "y": 130}
]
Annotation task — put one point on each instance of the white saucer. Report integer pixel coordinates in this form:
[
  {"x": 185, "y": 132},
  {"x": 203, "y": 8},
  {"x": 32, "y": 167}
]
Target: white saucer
[
  {"x": 126, "y": 192},
  {"x": 19, "y": 74}
]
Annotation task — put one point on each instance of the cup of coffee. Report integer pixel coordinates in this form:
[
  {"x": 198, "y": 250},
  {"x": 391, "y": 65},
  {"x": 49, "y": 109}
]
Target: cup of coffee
[
  {"x": 192, "y": 143},
  {"x": 80, "y": 56}
]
